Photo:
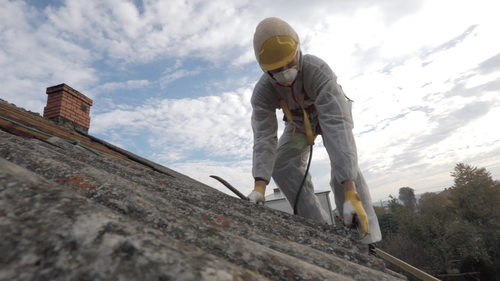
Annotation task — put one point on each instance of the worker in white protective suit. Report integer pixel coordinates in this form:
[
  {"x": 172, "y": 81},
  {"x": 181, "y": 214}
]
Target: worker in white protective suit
[{"x": 306, "y": 89}]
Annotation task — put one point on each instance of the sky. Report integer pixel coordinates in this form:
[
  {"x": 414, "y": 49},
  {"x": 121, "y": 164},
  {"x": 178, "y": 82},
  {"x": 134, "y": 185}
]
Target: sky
[{"x": 171, "y": 80}]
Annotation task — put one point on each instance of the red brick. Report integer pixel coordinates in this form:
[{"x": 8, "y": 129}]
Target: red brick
[{"x": 66, "y": 102}]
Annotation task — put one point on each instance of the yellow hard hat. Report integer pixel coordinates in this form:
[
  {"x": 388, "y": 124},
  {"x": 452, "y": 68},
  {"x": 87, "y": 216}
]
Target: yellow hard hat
[
  {"x": 275, "y": 43},
  {"x": 277, "y": 51}
]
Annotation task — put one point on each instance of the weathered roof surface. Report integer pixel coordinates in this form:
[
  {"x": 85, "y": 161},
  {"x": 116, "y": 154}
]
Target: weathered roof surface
[{"x": 67, "y": 213}]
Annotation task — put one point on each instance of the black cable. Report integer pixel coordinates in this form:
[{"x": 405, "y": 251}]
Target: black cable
[{"x": 303, "y": 181}]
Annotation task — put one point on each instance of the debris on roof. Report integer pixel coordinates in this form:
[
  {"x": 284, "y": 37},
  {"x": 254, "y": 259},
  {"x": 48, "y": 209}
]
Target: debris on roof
[{"x": 69, "y": 213}]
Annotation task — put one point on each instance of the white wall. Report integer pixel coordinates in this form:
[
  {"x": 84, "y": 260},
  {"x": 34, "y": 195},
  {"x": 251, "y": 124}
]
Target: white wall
[{"x": 284, "y": 206}]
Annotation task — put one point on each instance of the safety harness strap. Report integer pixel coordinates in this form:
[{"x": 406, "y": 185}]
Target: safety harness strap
[
  {"x": 305, "y": 117},
  {"x": 286, "y": 111},
  {"x": 307, "y": 122}
]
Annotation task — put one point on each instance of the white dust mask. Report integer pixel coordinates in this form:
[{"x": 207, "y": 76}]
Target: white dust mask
[{"x": 287, "y": 76}]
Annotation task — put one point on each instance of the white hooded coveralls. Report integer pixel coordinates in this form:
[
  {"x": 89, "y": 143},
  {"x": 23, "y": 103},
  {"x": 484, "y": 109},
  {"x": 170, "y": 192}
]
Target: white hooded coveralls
[{"x": 285, "y": 160}]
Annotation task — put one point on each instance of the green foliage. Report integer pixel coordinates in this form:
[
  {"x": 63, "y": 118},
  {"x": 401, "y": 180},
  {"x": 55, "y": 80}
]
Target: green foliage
[
  {"x": 475, "y": 199},
  {"x": 379, "y": 210},
  {"x": 432, "y": 204},
  {"x": 407, "y": 196},
  {"x": 443, "y": 234},
  {"x": 475, "y": 195},
  {"x": 388, "y": 225},
  {"x": 404, "y": 247}
]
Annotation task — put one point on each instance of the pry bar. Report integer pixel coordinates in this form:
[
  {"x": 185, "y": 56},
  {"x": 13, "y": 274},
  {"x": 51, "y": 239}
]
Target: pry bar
[{"x": 236, "y": 191}]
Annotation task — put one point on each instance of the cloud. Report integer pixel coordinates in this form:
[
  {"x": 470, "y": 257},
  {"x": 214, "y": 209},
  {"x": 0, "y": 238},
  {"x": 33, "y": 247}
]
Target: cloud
[
  {"x": 237, "y": 173},
  {"x": 122, "y": 31},
  {"x": 116, "y": 86},
  {"x": 214, "y": 30},
  {"x": 178, "y": 129},
  {"x": 35, "y": 57},
  {"x": 413, "y": 135},
  {"x": 490, "y": 65},
  {"x": 451, "y": 43},
  {"x": 73, "y": 38},
  {"x": 446, "y": 123},
  {"x": 178, "y": 64},
  {"x": 429, "y": 141},
  {"x": 169, "y": 78}
]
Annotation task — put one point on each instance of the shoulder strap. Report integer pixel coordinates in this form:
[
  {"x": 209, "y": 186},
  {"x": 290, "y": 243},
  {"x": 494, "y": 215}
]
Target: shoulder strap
[
  {"x": 286, "y": 110},
  {"x": 305, "y": 117},
  {"x": 307, "y": 123}
]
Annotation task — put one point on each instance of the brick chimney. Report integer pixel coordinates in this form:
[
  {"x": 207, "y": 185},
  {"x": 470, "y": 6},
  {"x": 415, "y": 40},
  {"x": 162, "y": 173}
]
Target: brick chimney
[{"x": 68, "y": 108}]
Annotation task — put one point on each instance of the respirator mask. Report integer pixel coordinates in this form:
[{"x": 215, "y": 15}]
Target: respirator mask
[{"x": 287, "y": 76}]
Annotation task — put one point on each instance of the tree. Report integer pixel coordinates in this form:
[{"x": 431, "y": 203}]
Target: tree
[
  {"x": 433, "y": 205},
  {"x": 475, "y": 200},
  {"x": 459, "y": 232},
  {"x": 407, "y": 196},
  {"x": 475, "y": 195},
  {"x": 416, "y": 239},
  {"x": 379, "y": 210}
]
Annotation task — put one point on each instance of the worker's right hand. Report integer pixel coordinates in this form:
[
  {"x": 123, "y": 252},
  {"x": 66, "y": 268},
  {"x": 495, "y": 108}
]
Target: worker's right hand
[{"x": 257, "y": 196}]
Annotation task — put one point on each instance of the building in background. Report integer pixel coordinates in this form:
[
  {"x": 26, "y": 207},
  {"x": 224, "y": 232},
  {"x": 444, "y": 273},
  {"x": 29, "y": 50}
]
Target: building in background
[{"x": 277, "y": 201}]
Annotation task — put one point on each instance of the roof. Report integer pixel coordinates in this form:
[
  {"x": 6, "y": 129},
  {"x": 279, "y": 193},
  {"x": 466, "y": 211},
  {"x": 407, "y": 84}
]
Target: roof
[
  {"x": 279, "y": 195},
  {"x": 445, "y": 193},
  {"x": 68, "y": 213}
]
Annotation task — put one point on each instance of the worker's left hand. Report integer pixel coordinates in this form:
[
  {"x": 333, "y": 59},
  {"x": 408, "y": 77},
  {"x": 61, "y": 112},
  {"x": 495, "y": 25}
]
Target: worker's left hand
[
  {"x": 354, "y": 213},
  {"x": 257, "y": 198}
]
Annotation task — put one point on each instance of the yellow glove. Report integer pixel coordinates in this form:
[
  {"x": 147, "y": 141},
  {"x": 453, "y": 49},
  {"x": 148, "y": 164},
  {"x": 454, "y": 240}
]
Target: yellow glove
[
  {"x": 257, "y": 196},
  {"x": 355, "y": 213}
]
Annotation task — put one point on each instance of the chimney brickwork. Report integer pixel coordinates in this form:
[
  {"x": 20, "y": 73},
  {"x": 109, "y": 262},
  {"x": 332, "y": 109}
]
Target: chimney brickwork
[{"x": 68, "y": 107}]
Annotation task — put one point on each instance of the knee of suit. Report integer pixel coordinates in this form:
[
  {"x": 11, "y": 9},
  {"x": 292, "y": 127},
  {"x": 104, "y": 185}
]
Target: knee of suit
[
  {"x": 279, "y": 166},
  {"x": 284, "y": 166}
]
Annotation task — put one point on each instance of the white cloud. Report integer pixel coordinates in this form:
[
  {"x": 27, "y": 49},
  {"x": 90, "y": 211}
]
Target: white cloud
[
  {"x": 169, "y": 78},
  {"x": 218, "y": 125},
  {"x": 63, "y": 43},
  {"x": 116, "y": 86},
  {"x": 237, "y": 173},
  {"x": 34, "y": 58},
  {"x": 178, "y": 64}
]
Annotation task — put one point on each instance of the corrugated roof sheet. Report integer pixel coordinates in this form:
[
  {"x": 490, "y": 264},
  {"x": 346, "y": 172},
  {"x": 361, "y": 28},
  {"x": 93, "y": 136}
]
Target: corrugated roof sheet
[{"x": 67, "y": 213}]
